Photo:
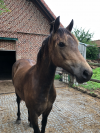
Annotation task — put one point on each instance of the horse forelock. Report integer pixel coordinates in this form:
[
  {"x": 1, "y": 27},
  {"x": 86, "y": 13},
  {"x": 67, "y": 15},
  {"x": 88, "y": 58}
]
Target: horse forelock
[{"x": 62, "y": 31}]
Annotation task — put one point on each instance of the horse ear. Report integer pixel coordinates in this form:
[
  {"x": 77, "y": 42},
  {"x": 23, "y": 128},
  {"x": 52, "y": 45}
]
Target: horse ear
[
  {"x": 55, "y": 25},
  {"x": 51, "y": 26},
  {"x": 70, "y": 26}
]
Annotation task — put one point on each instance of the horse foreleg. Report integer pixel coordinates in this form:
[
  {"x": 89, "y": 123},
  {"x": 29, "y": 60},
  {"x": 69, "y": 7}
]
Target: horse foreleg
[
  {"x": 28, "y": 116},
  {"x": 44, "y": 120},
  {"x": 18, "y": 113},
  {"x": 34, "y": 121},
  {"x": 29, "y": 119}
]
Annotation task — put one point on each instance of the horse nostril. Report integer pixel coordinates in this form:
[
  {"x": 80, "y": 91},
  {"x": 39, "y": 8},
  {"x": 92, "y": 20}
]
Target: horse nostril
[
  {"x": 85, "y": 74},
  {"x": 91, "y": 74}
]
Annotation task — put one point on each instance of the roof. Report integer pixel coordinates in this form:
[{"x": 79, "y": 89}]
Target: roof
[
  {"x": 97, "y": 42},
  {"x": 44, "y": 8},
  {"x": 47, "y": 7}
]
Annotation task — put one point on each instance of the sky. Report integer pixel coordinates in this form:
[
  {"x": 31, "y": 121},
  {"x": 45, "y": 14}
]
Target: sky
[{"x": 85, "y": 13}]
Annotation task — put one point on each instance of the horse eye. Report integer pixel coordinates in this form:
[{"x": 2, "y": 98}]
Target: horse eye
[{"x": 61, "y": 44}]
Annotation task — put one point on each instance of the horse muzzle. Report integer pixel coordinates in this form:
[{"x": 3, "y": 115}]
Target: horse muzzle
[{"x": 84, "y": 76}]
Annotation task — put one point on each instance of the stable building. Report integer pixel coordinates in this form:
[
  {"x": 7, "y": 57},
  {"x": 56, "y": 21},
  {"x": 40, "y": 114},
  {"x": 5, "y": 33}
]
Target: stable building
[{"x": 22, "y": 31}]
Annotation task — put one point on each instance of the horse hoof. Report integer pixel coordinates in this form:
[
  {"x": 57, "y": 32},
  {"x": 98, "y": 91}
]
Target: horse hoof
[
  {"x": 30, "y": 125},
  {"x": 18, "y": 121}
]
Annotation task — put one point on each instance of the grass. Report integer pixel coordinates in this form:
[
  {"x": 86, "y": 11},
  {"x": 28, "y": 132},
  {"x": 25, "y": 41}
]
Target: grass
[
  {"x": 57, "y": 76},
  {"x": 93, "y": 85}
]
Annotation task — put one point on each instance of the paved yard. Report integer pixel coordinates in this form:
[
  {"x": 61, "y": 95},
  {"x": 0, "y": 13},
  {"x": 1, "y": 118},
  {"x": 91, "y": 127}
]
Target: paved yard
[
  {"x": 6, "y": 86},
  {"x": 73, "y": 112}
]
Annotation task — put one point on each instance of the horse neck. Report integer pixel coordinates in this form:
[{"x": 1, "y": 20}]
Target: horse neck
[{"x": 46, "y": 71}]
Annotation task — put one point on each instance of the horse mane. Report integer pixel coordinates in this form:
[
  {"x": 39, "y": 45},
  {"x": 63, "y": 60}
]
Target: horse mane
[{"x": 43, "y": 50}]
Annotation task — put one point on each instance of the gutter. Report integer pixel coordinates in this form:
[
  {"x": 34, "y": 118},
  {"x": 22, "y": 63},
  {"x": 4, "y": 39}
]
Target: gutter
[{"x": 86, "y": 45}]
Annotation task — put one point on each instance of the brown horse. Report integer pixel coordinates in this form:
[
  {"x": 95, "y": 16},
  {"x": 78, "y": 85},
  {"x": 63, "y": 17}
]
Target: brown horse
[{"x": 34, "y": 84}]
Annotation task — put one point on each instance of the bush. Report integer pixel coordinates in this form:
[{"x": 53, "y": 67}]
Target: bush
[{"x": 92, "y": 52}]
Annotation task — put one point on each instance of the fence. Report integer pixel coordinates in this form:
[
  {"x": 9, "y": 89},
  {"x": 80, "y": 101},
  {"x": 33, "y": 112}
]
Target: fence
[
  {"x": 69, "y": 79},
  {"x": 66, "y": 77}
]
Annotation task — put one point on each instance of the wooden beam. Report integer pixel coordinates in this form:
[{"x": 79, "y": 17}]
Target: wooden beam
[
  {"x": 95, "y": 80},
  {"x": 8, "y": 38},
  {"x": 94, "y": 64}
]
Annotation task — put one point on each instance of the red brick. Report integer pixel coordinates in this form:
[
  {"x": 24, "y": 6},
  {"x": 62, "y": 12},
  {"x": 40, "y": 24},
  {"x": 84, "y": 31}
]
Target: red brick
[{"x": 26, "y": 23}]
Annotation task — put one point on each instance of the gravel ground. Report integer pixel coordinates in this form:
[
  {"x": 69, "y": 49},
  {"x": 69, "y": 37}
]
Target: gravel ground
[{"x": 73, "y": 112}]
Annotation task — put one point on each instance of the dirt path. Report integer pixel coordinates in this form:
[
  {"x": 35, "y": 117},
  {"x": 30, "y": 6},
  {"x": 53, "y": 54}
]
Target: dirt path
[{"x": 73, "y": 112}]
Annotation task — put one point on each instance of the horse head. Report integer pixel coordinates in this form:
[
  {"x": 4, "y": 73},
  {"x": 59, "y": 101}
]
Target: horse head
[{"x": 64, "y": 53}]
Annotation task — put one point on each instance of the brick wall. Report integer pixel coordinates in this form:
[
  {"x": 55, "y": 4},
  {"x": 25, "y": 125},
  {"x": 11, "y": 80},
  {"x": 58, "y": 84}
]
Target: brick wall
[
  {"x": 7, "y": 45},
  {"x": 28, "y": 46},
  {"x": 26, "y": 23}
]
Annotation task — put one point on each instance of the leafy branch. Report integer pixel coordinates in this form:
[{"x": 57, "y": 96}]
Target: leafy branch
[
  {"x": 85, "y": 37},
  {"x": 3, "y": 7}
]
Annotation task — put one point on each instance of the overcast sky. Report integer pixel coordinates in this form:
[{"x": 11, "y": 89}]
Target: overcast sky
[{"x": 86, "y": 14}]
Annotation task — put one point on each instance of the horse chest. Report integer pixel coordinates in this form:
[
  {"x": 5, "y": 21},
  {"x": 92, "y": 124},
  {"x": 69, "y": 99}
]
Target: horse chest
[
  {"x": 44, "y": 105},
  {"x": 46, "y": 101}
]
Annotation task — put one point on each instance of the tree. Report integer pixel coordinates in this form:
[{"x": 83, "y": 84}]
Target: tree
[
  {"x": 82, "y": 35},
  {"x": 85, "y": 37},
  {"x": 3, "y": 7}
]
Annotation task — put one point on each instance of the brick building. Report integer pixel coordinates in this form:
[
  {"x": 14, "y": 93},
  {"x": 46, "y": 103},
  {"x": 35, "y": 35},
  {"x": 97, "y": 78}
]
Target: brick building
[
  {"x": 97, "y": 42},
  {"x": 22, "y": 32},
  {"x": 98, "y": 45}
]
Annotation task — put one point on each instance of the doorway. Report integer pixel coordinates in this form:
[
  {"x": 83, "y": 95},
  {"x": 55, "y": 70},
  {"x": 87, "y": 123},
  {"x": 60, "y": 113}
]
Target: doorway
[{"x": 7, "y": 59}]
